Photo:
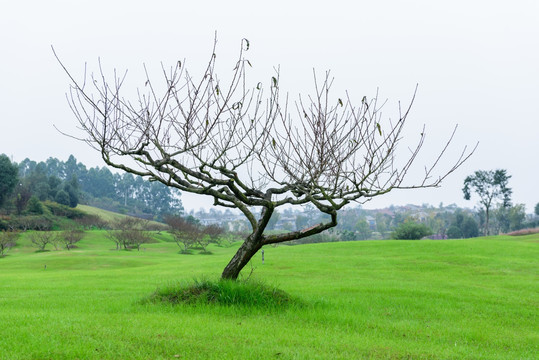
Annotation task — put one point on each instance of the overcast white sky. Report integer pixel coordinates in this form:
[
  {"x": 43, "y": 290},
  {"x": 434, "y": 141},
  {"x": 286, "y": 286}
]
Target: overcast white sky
[{"x": 476, "y": 63}]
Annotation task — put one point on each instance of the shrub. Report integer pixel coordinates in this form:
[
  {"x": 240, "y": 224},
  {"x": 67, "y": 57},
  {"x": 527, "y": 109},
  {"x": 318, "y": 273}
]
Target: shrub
[
  {"x": 469, "y": 228},
  {"x": 411, "y": 231},
  {"x": 4, "y": 224},
  {"x": 63, "y": 210},
  {"x": 34, "y": 206},
  {"x": 454, "y": 232}
]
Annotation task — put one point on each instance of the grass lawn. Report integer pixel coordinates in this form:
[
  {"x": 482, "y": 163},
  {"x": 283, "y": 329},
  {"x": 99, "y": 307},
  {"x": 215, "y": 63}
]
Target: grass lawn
[
  {"x": 109, "y": 216},
  {"x": 451, "y": 299}
]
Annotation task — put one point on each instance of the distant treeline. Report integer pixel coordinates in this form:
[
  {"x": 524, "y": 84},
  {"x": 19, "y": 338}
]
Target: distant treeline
[{"x": 99, "y": 187}]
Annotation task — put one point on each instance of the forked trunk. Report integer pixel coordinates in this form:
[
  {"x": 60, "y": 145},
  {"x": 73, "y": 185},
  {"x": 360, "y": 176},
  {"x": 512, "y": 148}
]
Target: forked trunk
[{"x": 246, "y": 251}]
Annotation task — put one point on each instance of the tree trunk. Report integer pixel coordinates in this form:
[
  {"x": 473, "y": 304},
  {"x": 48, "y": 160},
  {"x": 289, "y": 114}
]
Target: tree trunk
[
  {"x": 246, "y": 251},
  {"x": 486, "y": 222}
]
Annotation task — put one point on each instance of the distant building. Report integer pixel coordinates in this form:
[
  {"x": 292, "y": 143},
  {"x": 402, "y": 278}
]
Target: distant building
[{"x": 371, "y": 221}]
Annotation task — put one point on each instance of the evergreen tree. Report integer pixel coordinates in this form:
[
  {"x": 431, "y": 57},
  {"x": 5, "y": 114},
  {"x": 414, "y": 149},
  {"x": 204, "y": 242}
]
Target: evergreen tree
[
  {"x": 62, "y": 197},
  {"x": 8, "y": 178},
  {"x": 34, "y": 206},
  {"x": 72, "y": 189}
]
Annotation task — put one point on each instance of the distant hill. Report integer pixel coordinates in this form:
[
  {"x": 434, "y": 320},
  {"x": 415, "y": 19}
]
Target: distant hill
[
  {"x": 110, "y": 216},
  {"x": 71, "y": 183},
  {"x": 105, "y": 215}
]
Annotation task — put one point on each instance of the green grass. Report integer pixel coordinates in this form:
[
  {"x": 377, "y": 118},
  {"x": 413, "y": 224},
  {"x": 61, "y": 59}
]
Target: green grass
[
  {"x": 106, "y": 215},
  {"x": 454, "y": 299},
  {"x": 253, "y": 295},
  {"x": 110, "y": 216}
]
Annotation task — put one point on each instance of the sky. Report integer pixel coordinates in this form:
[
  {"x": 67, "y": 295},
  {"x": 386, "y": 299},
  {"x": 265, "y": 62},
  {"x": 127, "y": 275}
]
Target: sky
[{"x": 475, "y": 64}]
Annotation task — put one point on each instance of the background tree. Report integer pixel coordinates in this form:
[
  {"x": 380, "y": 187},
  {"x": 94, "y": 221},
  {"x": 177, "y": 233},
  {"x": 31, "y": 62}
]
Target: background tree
[
  {"x": 45, "y": 181},
  {"x": 129, "y": 232},
  {"x": 348, "y": 235},
  {"x": 248, "y": 151},
  {"x": 115, "y": 236},
  {"x": 8, "y": 178},
  {"x": 273, "y": 220},
  {"x": 454, "y": 232},
  {"x": 410, "y": 230},
  {"x": 439, "y": 222},
  {"x": 537, "y": 209},
  {"x": 57, "y": 241},
  {"x": 22, "y": 196},
  {"x": 509, "y": 218},
  {"x": 214, "y": 233},
  {"x": 71, "y": 187},
  {"x": 382, "y": 224},
  {"x": 8, "y": 239},
  {"x": 71, "y": 236},
  {"x": 90, "y": 221},
  {"x": 186, "y": 232},
  {"x": 469, "y": 227},
  {"x": 34, "y": 206},
  {"x": 41, "y": 239},
  {"x": 302, "y": 221},
  {"x": 137, "y": 237},
  {"x": 363, "y": 229},
  {"x": 462, "y": 226},
  {"x": 517, "y": 217},
  {"x": 62, "y": 197},
  {"x": 490, "y": 186}
]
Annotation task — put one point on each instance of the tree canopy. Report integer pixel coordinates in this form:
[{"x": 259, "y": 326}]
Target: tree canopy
[{"x": 247, "y": 147}]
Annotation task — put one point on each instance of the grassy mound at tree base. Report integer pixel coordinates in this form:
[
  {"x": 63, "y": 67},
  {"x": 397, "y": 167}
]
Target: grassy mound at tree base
[{"x": 246, "y": 293}]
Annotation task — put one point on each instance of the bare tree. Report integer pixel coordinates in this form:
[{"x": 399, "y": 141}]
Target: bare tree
[
  {"x": 209, "y": 234},
  {"x": 41, "y": 239},
  {"x": 90, "y": 221},
  {"x": 115, "y": 236},
  {"x": 214, "y": 232},
  {"x": 186, "y": 234},
  {"x": 71, "y": 236},
  {"x": 8, "y": 239},
  {"x": 56, "y": 241},
  {"x": 137, "y": 237},
  {"x": 129, "y": 232},
  {"x": 248, "y": 150}
]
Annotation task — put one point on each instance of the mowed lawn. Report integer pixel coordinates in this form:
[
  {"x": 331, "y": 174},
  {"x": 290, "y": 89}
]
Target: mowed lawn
[{"x": 452, "y": 299}]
